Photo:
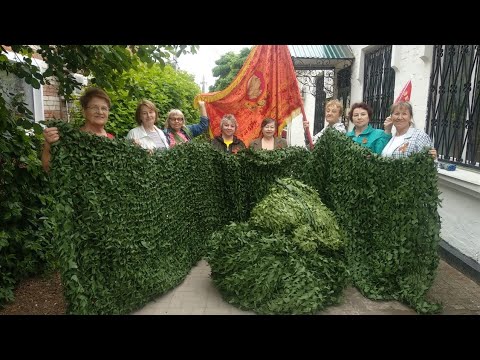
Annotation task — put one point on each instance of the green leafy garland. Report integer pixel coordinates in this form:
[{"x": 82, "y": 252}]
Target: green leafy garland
[{"x": 128, "y": 225}]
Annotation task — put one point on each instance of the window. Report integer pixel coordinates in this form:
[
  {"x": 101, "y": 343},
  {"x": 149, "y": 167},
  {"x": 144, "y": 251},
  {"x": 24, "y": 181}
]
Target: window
[
  {"x": 379, "y": 83},
  {"x": 453, "y": 120}
]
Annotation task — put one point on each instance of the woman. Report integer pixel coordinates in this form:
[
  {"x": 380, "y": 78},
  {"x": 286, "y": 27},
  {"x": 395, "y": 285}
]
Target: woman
[
  {"x": 362, "y": 133},
  {"x": 177, "y": 132},
  {"x": 95, "y": 109},
  {"x": 227, "y": 141},
  {"x": 267, "y": 141},
  {"x": 147, "y": 135},
  {"x": 407, "y": 139},
  {"x": 333, "y": 112}
]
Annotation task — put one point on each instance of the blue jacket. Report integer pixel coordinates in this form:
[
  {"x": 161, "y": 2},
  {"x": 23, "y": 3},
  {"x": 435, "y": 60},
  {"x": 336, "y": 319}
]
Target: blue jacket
[
  {"x": 374, "y": 139},
  {"x": 190, "y": 131}
]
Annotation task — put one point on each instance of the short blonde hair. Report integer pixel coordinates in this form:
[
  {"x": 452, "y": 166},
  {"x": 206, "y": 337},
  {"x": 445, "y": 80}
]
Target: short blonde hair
[
  {"x": 404, "y": 105},
  {"x": 336, "y": 103},
  {"x": 172, "y": 113},
  {"x": 230, "y": 118}
]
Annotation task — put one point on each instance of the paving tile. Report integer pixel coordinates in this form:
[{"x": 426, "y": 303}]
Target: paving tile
[
  {"x": 197, "y": 295},
  {"x": 217, "y": 311}
]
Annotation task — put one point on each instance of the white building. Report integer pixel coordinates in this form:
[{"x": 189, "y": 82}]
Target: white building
[{"x": 446, "y": 104}]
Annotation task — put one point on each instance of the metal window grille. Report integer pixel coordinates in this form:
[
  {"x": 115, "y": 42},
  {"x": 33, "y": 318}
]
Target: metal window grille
[
  {"x": 453, "y": 115},
  {"x": 320, "y": 96},
  {"x": 344, "y": 88},
  {"x": 379, "y": 83}
]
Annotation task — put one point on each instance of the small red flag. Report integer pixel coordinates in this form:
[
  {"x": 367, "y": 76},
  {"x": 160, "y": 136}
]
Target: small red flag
[{"x": 405, "y": 93}]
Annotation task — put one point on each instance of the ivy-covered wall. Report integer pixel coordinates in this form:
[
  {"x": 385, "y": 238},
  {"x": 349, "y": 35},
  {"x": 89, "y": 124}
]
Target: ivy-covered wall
[{"x": 128, "y": 225}]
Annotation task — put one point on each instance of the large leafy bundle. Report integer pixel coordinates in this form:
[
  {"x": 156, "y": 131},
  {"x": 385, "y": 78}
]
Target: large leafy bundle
[
  {"x": 288, "y": 259},
  {"x": 260, "y": 169}
]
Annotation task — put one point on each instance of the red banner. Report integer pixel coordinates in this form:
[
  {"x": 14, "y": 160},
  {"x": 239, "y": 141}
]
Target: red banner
[
  {"x": 266, "y": 86},
  {"x": 405, "y": 93}
]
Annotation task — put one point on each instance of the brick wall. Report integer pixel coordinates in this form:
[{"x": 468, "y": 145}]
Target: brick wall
[{"x": 54, "y": 106}]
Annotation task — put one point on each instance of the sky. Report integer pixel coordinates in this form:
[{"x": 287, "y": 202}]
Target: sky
[{"x": 201, "y": 64}]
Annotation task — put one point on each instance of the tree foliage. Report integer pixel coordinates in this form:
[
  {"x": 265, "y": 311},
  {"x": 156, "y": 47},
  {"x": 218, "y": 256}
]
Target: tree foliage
[
  {"x": 227, "y": 68},
  {"x": 166, "y": 87},
  {"x": 23, "y": 251}
]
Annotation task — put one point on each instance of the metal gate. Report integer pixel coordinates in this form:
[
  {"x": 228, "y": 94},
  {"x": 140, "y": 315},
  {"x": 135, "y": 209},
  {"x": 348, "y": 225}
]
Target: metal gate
[{"x": 379, "y": 83}]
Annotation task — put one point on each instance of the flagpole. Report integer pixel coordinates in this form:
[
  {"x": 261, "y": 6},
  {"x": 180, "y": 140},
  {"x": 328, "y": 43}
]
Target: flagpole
[
  {"x": 307, "y": 130},
  {"x": 276, "y": 85}
]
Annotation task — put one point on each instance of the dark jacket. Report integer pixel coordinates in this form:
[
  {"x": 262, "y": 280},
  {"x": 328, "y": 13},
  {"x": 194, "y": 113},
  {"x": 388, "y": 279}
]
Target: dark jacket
[
  {"x": 234, "y": 147},
  {"x": 278, "y": 143}
]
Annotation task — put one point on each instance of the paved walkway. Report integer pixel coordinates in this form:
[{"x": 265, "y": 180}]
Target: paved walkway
[{"x": 198, "y": 296}]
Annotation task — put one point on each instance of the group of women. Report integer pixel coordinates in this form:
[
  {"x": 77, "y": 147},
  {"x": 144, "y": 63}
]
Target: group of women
[
  {"x": 228, "y": 142},
  {"x": 96, "y": 104},
  {"x": 406, "y": 140}
]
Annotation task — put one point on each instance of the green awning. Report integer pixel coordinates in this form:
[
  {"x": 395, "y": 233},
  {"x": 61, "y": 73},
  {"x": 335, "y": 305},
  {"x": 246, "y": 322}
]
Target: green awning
[
  {"x": 320, "y": 56},
  {"x": 321, "y": 51}
]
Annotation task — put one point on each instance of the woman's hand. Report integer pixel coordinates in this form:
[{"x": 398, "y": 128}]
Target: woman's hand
[
  {"x": 51, "y": 135},
  {"x": 203, "y": 109},
  {"x": 388, "y": 124}
]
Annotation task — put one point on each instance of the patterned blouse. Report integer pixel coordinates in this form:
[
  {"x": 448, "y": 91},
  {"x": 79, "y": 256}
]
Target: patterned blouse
[{"x": 415, "y": 140}]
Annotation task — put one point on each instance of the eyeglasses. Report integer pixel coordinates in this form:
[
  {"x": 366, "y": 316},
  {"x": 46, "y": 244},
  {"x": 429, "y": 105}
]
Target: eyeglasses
[
  {"x": 178, "y": 119},
  {"x": 98, "y": 109}
]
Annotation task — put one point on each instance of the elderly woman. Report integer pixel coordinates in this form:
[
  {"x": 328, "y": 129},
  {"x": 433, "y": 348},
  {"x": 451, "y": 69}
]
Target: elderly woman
[
  {"x": 95, "y": 109},
  {"x": 363, "y": 133},
  {"x": 177, "y": 132},
  {"x": 227, "y": 141},
  {"x": 333, "y": 112},
  {"x": 147, "y": 134},
  {"x": 407, "y": 139},
  {"x": 268, "y": 141}
]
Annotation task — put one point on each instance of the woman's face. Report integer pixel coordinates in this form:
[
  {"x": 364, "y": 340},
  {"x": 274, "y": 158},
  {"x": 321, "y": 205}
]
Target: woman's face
[
  {"x": 228, "y": 128},
  {"x": 148, "y": 116},
  {"x": 269, "y": 130},
  {"x": 176, "y": 121},
  {"x": 96, "y": 112},
  {"x": 360, "y": 117},
  {"x": 332, "y": 114},
  {"x": 401, "y": 118}
]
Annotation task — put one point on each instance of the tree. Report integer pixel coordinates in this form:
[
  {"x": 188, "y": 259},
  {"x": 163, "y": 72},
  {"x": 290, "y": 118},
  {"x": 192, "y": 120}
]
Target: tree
[
  {"x": 23, "y": 247},
  {"x": 166, "y": 87},
  {"x": 227, "y": 68}
]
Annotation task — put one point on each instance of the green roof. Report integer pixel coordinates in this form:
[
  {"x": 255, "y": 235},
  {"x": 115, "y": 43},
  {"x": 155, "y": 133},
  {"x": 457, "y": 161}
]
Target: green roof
[{"x": 321, "y": 51}]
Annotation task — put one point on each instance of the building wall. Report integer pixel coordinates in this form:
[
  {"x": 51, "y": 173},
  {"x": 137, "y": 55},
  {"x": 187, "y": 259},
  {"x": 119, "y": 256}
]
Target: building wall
[
  {"x": 296, "y": 135},
  {"x": 460, "y": 189},
  {"x": 460, "y": 211},
  {"x": 410, "y": 62},
  {"x": 45, "y": 103}
]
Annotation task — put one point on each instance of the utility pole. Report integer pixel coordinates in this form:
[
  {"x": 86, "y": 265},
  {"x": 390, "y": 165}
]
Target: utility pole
[{"x": 203, "y": 84}]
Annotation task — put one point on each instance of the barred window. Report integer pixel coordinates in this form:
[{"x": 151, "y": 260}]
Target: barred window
[
  {"x": 379, "y": 83},
  {"x": 454, "y": 104}
]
